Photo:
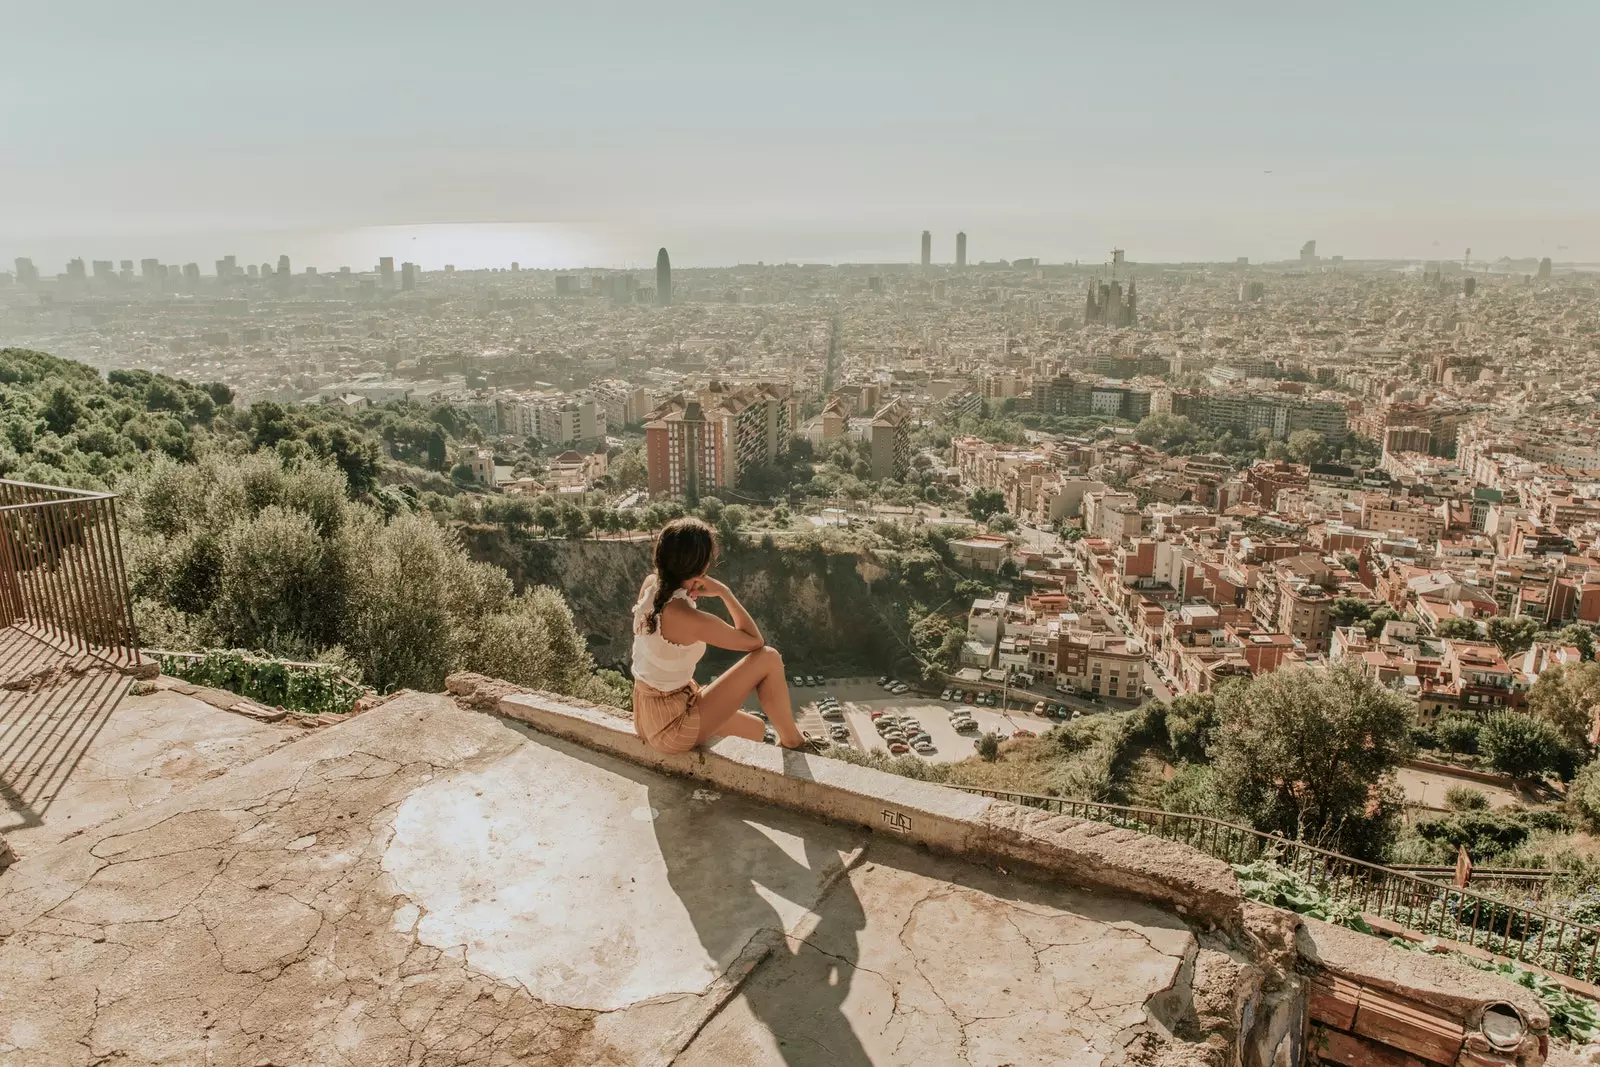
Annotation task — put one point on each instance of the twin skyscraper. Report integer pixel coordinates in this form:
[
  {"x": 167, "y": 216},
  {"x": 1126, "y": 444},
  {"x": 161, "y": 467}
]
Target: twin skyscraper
[{"x": 927, "y": 249}]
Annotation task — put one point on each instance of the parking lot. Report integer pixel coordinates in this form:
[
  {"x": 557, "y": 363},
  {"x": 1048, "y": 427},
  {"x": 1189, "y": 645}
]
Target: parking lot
[{"x": 859, "y": 697}]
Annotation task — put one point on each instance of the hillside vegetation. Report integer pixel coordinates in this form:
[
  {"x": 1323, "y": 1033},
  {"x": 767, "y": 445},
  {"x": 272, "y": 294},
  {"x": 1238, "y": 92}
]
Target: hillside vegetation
[
  {"x": 838, "y": 609},
  {"x": 268, "y": 531}
]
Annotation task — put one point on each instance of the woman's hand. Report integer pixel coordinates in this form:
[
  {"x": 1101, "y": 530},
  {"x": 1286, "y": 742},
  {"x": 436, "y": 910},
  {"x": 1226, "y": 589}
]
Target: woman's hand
[{"x": 704, "y": 586}]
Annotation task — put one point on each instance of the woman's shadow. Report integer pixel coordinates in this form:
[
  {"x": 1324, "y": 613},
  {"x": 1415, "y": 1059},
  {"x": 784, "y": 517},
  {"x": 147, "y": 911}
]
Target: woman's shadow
[{"x": 715, "y": 861}]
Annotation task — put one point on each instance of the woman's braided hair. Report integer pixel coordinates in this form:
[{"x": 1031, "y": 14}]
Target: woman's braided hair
[{"x": 684, "y": 549}]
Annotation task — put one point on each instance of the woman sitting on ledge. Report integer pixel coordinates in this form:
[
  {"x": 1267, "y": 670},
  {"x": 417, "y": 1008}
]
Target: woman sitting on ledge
[{"x": 670, "y": 633}]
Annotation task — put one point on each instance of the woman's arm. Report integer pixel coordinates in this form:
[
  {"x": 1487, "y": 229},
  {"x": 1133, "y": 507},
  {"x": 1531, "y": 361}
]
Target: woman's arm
[{"x": 683, "y": 624}]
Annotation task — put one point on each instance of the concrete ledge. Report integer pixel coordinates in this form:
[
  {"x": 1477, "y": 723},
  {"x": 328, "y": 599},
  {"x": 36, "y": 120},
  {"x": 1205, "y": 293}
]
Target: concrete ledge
[
  {"x": 1429, "y": 1006},
  {"x": 1413, "y": 1002},
  {"x": 1088, "y": 854}
]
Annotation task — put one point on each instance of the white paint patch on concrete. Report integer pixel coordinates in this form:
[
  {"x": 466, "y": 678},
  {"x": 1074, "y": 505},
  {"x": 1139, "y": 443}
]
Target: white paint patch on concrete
[{"x": 546, "y": 870}]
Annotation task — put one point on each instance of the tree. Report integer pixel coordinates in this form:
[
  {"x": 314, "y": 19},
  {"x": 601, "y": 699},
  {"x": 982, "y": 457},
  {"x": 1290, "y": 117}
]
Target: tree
[
  {"x": 438, "y": 449},
  {"x": 1567, "y": 697},
  {"x": 574, "y": 524},
  {"x": 62, "y": 409},
  {"x": 1304, "y": 753},
  {"x": 1307, "y": 446},
  {"x": 989, "y": 747},
  {"x": 628, "y": 469},
  {"x": 1458, "y": 733},
  {"x": 269, "y": 424},
  {"x": 1003, "y": 523},
  {"x": 1520, "y": 745},
  {"x": 1457, "y": 628},
  {"x": 1376, "y": 620},
  {"x": 1583, "y": 796},
  {"x": 1348, "y": 610},
  {"x": 1168, "y": 432},
  {"x": 1191, "y": 725},
  {"x": 985, "y": 502},
  {"x": 1579, "y": 636},
  {"x": 1512, "y": 635}
]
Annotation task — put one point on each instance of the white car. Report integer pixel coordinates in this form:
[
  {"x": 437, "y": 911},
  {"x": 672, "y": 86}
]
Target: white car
[{"x": 945, "y": 695}]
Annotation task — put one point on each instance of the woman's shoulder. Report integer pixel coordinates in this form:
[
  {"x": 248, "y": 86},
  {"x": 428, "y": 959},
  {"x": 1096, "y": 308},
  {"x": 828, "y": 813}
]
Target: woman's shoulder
[{"x": 679, "y": 613}]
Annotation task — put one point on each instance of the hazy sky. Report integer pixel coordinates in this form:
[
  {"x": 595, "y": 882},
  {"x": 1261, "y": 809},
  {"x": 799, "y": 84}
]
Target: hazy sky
[{"x": 810, "y": 130}]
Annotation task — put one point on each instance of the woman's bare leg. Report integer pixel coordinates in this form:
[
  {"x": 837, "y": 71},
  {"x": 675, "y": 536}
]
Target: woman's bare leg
[{"x": 719, "y": 703}]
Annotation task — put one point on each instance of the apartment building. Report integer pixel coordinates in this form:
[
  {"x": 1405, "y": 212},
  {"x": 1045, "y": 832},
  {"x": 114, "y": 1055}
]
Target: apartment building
[
  {"x": 683, "y": 452},
  {"x": 1107, "y": 664},
  {"x": 1112, "y": 516},
  {"x": 890, "y": 440},
  {"x": 1406, "y": 516},
  {"x": 1070, "y": 395},
  {"x": 1473, "y": 678},
  {"x": 709, "y": 440},
  {"x": 1280, "y": 414}
]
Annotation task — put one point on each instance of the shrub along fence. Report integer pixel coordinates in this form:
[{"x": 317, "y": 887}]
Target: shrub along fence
[
  {"x": 1431, "y": 908},
  {"x": 316, "y": 688}
]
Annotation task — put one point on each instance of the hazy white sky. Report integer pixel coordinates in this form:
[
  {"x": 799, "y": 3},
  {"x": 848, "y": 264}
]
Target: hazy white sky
[{"x": 815, "y": 130}]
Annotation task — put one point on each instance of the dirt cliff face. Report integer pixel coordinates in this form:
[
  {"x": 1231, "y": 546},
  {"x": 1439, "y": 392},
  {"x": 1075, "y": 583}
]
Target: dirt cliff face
[{"x": 834, "y": 612}]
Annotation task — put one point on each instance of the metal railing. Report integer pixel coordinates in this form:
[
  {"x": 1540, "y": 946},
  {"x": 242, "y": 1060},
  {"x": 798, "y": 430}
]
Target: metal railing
[
  {"x": 1418, "y": 904},
  {"x": 61, "y": 571}
]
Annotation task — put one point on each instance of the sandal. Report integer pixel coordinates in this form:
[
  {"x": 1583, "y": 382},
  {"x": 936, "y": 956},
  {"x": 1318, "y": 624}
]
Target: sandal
[{"x": 814, "y": 745}]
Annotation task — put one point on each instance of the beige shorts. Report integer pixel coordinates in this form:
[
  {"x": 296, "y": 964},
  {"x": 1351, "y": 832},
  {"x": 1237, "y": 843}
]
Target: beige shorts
[{"x": 667, "y": 722}]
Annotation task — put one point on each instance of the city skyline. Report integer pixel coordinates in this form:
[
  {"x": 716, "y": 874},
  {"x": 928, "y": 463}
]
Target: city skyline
[{"x": 491, "y": 247}]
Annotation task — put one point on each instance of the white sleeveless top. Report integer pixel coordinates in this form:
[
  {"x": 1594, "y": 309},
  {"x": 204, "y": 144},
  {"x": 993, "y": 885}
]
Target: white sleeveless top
[{"x": 657, "y": 662}]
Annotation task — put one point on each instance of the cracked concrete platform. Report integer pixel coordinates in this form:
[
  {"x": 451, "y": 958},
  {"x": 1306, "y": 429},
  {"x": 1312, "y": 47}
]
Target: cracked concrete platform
[
  {"x": 427, "y": 885},
  {"x": 80, "y": 749}
]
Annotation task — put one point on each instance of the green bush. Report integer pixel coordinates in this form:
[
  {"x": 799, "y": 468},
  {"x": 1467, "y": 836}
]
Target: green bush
[
  {"x": 1583, "y": 796},
  {"x": 1522, "y": 746},
  {"x": 1458, "y": 733},
  {"x": 315, "y": 688},
  {"x": 1465, "y": 798}
]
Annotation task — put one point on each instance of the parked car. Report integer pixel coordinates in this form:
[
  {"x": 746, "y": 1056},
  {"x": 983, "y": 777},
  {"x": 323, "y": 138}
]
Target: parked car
[
  {"x": 1039, "y": 708},
  {"x": 923, "y": 747},
  {"x": 967, "y": 698},
  {"x": 883, "y": 679},
  {"x": 899, "y": 748},
  {"x": 1023, "y": 732},
  {"x": 877, "y": 713},
  {"x": 945, "y": 695},
  {"x": 833, "y": 712},
  {"x": 901, "y": 689},
  {"x": 798, "y": 681}
]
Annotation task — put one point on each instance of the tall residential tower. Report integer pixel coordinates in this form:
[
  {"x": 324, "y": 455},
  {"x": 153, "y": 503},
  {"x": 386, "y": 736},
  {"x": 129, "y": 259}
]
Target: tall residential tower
[
  {"x": 961, "y": 250},
  {"x": 927, "y": 248}
]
